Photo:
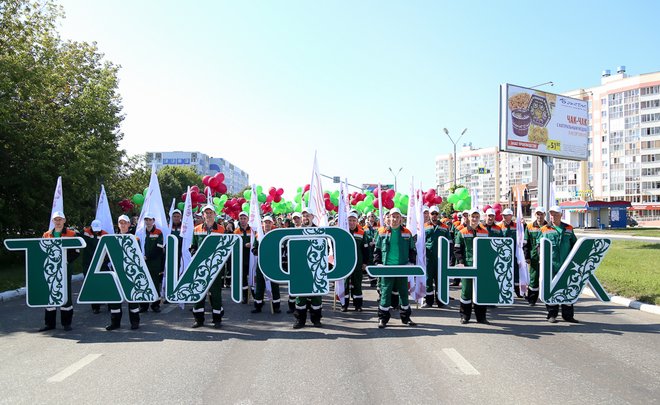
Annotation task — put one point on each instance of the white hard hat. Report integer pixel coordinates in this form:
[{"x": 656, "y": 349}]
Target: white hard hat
[
  {"x": 507, "y": 212},
  {"x": 96, "y": 225}
]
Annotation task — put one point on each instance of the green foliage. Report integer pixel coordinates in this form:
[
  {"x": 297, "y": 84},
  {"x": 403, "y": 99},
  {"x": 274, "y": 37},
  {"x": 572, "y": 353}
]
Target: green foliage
[
  {"x": 59, "y": 115},
  {"x": 174, "y": 181}
]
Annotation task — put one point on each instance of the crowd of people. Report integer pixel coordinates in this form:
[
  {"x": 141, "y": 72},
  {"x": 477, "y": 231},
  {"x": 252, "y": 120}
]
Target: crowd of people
[{"x": 390, "y": 243}]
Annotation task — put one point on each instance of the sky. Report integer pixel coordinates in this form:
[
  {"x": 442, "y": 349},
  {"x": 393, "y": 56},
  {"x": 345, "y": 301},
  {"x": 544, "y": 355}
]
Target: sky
[{"x": 367, "y": 85}]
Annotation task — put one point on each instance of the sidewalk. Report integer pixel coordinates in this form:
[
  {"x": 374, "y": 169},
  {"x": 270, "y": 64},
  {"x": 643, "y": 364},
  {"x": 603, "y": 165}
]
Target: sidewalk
[{"x": 595, "y": 234}]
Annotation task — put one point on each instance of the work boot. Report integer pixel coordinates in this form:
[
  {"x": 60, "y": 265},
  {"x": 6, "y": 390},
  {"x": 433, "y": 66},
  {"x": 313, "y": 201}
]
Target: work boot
[
  {"x": 382, "y": 324},
  {"x": 315, "y": 316},
  {"x": 144, "y": 307},
  {"x": 405, "y": 317},
  {"x": 276, "y": 308},
  {"x": 96, "y": 309},
  {"x": 516, "y": 289},
  {"x": 301, "y": 318},
  {"x": 67, "y": 319},
  {"x": 217, "y": 320},
  {"x": 358, "y": 303},
  {"x": 134, "y": 317},
  {"x": 199, "y": 319},
  {"x": 257, "y": 307},
  {"x": 466, "y": 312},
  {"x": 292, "y": 307},
  {"x": 115, "y": 322},
  {"x": 50, "y": 321},
  {"x": 383, "y": 317},
  {"x": 480, "y": 312}
]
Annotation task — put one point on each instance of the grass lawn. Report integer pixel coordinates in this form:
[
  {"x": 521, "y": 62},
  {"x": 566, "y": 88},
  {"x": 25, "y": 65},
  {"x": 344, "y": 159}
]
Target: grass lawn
[
  {"x": 632, "y": 270},
  {"x": 12, "y": 275},
  {"x": 653, "y": 232}
]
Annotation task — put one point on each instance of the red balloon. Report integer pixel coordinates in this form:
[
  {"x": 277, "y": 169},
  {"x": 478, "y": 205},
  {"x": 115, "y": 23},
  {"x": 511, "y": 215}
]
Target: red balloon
[
  {"x": 391, "y": 193},
  {"x": 272, "y": 191},
  {"x": 214, "y": 182},
  {"x": 270, "y": 198},
  {"x": 221, "y": 189},
  {"x": 306, "y": 188},
  {"x": 438, "y": 200},
  {"x": 277, "y": 198},
  {"x": 241, "y": 201},
  {"x": 328, "y": 205},
  {"x": 376, "y": 203},
  {"x": 205, "y": 180},
  {"x": 220, "y": 177},
  {"x": 208, "y": 190},
  {"x": 326, "y": 195},
  {"x": 183, "y": 196},
  {"x": 431, "y": 191},
  {"x": 497, "y": 207},
  {"x": 201, "y": 198},
  {"x": 389, "y": 204},
  {"x": 354, "y": 201},
  {"x": 498, "y": 217},
  {"x": 194, "y": 189},
  {"x": 280, "y": 191},
  {"x": 486, "y": 207}
]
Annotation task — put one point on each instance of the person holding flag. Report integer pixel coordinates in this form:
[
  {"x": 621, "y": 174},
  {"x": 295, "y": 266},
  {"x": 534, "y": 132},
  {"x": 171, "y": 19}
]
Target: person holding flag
[
  {"x": 245, "y": 233},
  {"x": 91, "y": 235},
  {"x": 123, "y": 223},
  {"x": 510, "y": 230},
  {"x": 60, "y": 230},
  {"x": 153, "y": 256},
  {"x": 353, "y": 283},
  {"x": 260, "y": 281},
  {"x": 434, "y": 229},
  {"x": 395, "y": 246},
  {"x": 202, "y": 231}
]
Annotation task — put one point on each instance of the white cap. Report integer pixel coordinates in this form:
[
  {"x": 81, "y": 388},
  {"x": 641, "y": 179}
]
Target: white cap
[
  {"x": 149, "y": 215},
  {"x": 425, "y": 209},
  {"x": 123, "y": 218},
  {"x": 539, "y": 209},
  {"x": 507, "y": 212},
  {"x": 465, "y": 212},
  {"x": 555, "y": 208},
  {"x": 305, "y": 210},
  {"x": 208, "y": 207},
  {"x": 353, "y": 215},
  {"x": 435, "y": 209},
  {"x": 490, "y": 211},
  {"x": 395, "y": 211},
  {"x": 177, "y": 211},
  {"x": 474, "y": 211},
  {"x": 57, "y": 214},
  {"x": 244, "y": 213},
  {"x": 96, "y": 225},
  {"x": 296, "y": 214},
  {"x": 267, "y": 218}
]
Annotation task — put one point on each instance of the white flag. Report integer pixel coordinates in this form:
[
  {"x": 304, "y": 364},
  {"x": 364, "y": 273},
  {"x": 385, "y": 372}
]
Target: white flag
[
  {"x": 420, "y": 245},
  {"x": 187, "y": 232},
  {"x": 474, "y": 196},
  {"x": 103, "y": 212},
  {"x": 255, "y": 223},
  {"x": 380, "y": 205},
  {"x": 342, "y": 222},
  {"x": 209, "y": 197},
  {"x": 58, "y": 202},
  {"x": 316, "y": 202},
  {"x": 523, "y": 272},
  {"x": 172, "y": 213},
  {"x": 153, "y": 204}
]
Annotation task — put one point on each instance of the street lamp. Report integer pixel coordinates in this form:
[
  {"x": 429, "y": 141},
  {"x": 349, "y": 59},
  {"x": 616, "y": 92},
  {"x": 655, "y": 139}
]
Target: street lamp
[
  {"x": 397, "y": 173},
  {"x": 454, "y": 142}
]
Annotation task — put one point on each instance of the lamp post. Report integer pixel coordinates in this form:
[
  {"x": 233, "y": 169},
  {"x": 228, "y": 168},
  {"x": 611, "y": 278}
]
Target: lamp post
[
  {"x": 397, "y": 173},
  {"x": 454, "y": 142}
]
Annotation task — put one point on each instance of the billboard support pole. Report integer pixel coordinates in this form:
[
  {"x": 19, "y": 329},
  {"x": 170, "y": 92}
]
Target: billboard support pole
[{"x": 544, "y": 179}]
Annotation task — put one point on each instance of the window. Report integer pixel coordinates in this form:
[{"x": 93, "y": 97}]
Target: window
[{"x": 650, "y": 90}]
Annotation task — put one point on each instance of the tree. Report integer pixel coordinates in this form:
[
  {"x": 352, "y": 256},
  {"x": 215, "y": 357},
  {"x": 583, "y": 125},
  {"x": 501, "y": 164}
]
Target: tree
[
  {"x": 174, "y": 181},
  {"x": 59, "y": 115}
]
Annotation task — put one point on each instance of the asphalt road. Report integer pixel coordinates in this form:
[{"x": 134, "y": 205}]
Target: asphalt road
[
  {"x": 612, "y": 357},
  {"x": 599, "y": 234}
]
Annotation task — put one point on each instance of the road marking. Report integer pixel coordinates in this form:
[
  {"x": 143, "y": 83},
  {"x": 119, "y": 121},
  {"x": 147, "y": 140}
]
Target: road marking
[
  {"x": 462, "y": 364},
  {"x": 69, "y": 371}
]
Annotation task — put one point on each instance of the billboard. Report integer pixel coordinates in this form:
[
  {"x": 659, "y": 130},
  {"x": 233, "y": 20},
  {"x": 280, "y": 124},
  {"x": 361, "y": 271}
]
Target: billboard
[{"x": 534, "y": 122}]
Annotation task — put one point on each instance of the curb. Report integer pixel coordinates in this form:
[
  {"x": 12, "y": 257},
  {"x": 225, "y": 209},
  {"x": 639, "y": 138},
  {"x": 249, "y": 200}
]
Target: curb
[
  {"x": 627, "y": 302},
  {"x": 20, "y": 292}
]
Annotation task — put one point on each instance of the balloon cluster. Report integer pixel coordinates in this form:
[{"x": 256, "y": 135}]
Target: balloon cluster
[
  {"x": 331, "y": 200},
  {"x": 387, "y": 196},
  {"x": 215, "y": 184},
  {"x": 461, "y": 199},
  {"x": 197, "y": 199},
  {"x": 431, "y": 198},
  {"x": 126, "y": 205},
  {"x": 497, "y": 207},
  {"x": 234, "y": 206}
]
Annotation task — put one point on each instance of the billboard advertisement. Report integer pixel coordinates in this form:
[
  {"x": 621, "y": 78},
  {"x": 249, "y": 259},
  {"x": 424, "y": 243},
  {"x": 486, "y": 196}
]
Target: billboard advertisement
[{"x": 534, "y": 122}]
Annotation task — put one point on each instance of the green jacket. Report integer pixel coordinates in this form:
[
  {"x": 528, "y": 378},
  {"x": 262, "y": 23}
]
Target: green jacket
[
  {"x": 532, "y": 239},
  {"x": 464, "y": 243},
  {"x": 153, "y": 248},
  {"x": 407, "y": 251},
  {"x": 563, "y": 239},
  {"x": 433, "y": 232},
  {"x": 362, "y": 244}
]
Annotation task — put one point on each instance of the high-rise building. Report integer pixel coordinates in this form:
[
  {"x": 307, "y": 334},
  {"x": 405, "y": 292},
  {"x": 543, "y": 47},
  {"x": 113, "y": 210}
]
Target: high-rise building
[
  {"x": 235, "y": 178},
  {"x": 624, "y": 143}
]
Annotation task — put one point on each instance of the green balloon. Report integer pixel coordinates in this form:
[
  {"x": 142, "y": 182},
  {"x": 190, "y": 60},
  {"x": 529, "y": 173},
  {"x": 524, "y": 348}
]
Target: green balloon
[
  {"x": 259, "y": 189},
  {"x": 297, "y": 198},
  {"x": 306, "y": 197},
  {"x": 138, "y": 199},
  {"x": 405, "y": 200},
  {"x": 181, "y": 206},
  {"x": 246, "y": 207},
  {"x": 404, "y": 210},
  {"x": 216, "y": 200},
  {"x": 462, "y": 192},
  {"x": 299, "y": 190},
  {"x": 247, "y": 194},
  {"x": 224, "y": 198},
  {"x": 453, "y": 198},
  {"x": 261, "y": 197},
  {"x": 146, "y": 191}
]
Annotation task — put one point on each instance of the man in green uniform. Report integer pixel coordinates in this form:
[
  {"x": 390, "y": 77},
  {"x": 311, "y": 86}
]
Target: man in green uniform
[
  {"x": 353, "y": 283},
  {"x": 260, "y": 280},
  {"x": 202, "y": 230},
  {"x": 561, "y": 235},
  {"x": 123, "y": 223},
  {"x": 531, "y": 248},
  {"x": 92, "y": 234},
  {"x": 464, "y": 252},
  {"x": 434, "y": 229},
  {"x": 153, "y": 255},
  {"x": 395, "y": 246}
]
